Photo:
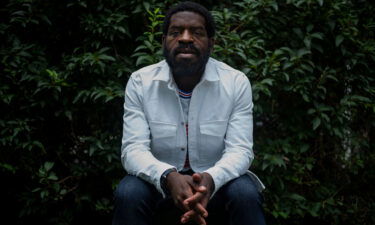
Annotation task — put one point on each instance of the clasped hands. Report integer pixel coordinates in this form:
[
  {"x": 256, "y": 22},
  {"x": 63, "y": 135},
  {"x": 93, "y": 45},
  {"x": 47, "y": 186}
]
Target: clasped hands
[{"x": 191, "y": 194}]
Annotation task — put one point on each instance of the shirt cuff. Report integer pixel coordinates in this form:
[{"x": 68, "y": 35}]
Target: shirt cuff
[
  {"x": 159, "y": 184},
  {"x": 217, "y": 177}
]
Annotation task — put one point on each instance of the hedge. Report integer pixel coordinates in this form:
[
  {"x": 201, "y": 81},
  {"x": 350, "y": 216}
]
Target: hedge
[{"x": 65, "y": 64}]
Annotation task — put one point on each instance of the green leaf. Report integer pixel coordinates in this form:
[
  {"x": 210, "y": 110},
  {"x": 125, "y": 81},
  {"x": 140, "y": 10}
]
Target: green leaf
[
  {"x": 92, "y": 150},
  {"x": 304, "y": 148},
  {"x": 311, "y": 111},
  {"x": 38, "y": 144},
  {"x": 301, "y": 52},
  {"x": 36, "y": 190},
  {"x": 63, "y": 191},
  {"x": 52, "y": 176},
  {"x": 8, "y": 167},
  {"x": 107, "y": 58},
  {"x": 296, "y": 197},
  {"x": 309, "y": 27},
  {"x": 275, "y": 6},
  {"x": 268, "y": 81},
  {"x": 318, "y": 36},
  {"x": 48, "y": 165},
  {"x": 316, "y": 123},
  {"x": 339, "y": 40},
  {"x": 287, "y": 65}
]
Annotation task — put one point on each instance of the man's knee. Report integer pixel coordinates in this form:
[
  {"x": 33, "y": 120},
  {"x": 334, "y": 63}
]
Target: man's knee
[
  {"x": 132, "y": 191},
  {"x": 243, "y": 191}
]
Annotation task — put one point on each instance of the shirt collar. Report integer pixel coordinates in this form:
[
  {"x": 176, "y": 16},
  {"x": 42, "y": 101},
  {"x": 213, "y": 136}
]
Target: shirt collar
[
  {"x": 164, "y": 73},
  {"x": 210, "y": 72}
]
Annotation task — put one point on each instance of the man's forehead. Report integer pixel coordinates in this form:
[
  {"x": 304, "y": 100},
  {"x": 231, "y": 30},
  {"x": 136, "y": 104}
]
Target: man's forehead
[{"x": 187, "y": 18}]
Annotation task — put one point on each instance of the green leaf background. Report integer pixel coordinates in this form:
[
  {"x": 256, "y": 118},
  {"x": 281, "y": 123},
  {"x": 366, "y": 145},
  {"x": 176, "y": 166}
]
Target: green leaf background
[{"x": 64, "y": 66}]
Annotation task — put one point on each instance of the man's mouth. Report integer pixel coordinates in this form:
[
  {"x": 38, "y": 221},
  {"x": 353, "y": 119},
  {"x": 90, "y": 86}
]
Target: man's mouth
[{"x": 186, "y": 54}]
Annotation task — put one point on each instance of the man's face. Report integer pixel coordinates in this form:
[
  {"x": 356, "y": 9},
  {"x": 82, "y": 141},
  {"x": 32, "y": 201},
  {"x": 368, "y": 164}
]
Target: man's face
[{"x": 186, "y": 46}]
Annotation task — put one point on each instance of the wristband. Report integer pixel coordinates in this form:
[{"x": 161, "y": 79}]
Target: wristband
[{"x": 163, "y": 180}]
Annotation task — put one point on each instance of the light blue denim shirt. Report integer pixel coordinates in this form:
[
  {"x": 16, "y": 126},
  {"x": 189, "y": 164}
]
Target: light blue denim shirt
[{"x": 220, "y": 125}]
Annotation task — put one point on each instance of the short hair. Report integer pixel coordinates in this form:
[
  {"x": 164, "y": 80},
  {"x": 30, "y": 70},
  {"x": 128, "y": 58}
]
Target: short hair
[{"x": 191, "y": 7}]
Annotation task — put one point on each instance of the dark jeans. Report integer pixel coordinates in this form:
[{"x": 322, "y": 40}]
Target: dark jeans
[{"x": 139, "y": 203}]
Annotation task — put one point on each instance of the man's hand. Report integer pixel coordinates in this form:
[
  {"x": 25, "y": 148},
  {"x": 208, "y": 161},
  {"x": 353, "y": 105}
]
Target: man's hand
[
  {"x": 181, "y": 188},
  {"x": 197, "y": 203}
]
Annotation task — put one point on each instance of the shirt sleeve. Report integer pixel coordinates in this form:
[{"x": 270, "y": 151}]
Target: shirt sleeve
[
  {"x": 136, "y": 155},
  {"x": 238, "y": 152}
]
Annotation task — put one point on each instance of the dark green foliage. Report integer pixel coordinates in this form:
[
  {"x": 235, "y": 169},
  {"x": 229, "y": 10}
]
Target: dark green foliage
[{"x": 64, "y": 67}]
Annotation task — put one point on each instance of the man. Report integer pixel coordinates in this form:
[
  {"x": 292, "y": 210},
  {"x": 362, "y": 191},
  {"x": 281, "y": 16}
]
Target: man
[{"x": 187, "y": 135}]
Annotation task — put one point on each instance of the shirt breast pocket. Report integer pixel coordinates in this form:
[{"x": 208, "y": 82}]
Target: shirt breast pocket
[
  {"x": 212, "y": 139},
  {"x": 163, "y": 139},
  {"x": 162, "y": 129}
]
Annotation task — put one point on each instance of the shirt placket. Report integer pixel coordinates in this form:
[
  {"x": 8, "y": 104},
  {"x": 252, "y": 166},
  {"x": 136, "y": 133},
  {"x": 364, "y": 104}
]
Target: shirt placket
[
  {"x": 194, "y": 107},
  {"x": 183, "y": 142}
]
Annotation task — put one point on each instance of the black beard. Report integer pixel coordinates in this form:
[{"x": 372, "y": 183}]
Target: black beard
[{"x": 186, "y": 67}]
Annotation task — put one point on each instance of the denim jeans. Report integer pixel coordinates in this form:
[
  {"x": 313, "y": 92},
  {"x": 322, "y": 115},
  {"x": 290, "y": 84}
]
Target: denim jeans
[{"x": 139, "y": 203}]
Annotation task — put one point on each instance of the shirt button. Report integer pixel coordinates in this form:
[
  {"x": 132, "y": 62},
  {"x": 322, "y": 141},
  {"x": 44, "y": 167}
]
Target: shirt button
[{"x": 182, "y": 149}]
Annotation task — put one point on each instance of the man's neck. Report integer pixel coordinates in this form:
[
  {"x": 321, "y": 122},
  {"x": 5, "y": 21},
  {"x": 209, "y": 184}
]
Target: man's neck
[{"x": 187, "y": 83}]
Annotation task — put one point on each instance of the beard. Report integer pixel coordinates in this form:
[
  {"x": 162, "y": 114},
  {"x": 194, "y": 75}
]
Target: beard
[{"x": 186, "y": 67}]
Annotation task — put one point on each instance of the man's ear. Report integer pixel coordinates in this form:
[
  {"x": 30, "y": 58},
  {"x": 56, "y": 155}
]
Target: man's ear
[
  {"x": 163, "y": 40},
  {"x": 211, "y": 43}
]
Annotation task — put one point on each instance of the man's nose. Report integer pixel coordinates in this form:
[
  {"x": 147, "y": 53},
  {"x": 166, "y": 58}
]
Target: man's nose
[{"x": 186, "y": 37}]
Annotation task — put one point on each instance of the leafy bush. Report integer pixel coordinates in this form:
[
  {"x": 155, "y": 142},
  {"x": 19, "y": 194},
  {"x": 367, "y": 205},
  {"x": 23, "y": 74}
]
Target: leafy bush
[{"x": 64, "y": 66}]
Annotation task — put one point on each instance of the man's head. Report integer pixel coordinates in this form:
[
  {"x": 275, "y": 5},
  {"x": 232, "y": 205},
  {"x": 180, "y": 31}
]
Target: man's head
[{"x": 188, "y": 37}]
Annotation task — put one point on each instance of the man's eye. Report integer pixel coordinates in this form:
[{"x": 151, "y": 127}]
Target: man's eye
[
  {"x": 199, "y": 33},
  {"x": 174, "y": 33}
]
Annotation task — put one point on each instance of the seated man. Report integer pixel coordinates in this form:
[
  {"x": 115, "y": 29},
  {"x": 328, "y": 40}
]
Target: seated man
[{"x": 187, "y": 139}]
